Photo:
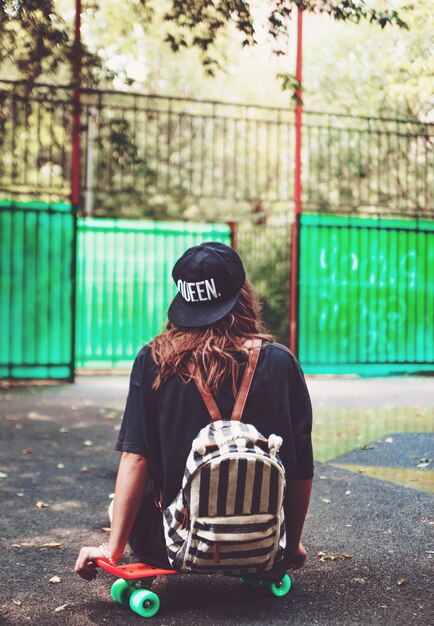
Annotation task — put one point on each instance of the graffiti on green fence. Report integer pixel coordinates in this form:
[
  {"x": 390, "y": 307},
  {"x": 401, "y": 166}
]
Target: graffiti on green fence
[{"x": 366, "y": 291}]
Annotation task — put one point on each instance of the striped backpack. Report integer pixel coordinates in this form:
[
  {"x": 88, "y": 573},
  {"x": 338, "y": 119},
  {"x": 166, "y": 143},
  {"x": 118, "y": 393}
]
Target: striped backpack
[{"x": 228, "y": 516}]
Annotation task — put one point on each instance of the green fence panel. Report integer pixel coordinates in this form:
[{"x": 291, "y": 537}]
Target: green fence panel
[
  {"x": 124, "y": 283},
  {"x": 366, "y": 295},
  {"x": 36, "y": 293}
]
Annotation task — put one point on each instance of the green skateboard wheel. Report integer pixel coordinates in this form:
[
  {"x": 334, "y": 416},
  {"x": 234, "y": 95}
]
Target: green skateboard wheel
[
  {"x": 121, "y": 591},
  {"x": 144, "y": 602},
  {"x": 281, "y": 588}
]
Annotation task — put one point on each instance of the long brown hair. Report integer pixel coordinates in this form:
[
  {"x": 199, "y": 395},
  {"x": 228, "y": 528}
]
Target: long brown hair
[{"x": 210, "y": 349}]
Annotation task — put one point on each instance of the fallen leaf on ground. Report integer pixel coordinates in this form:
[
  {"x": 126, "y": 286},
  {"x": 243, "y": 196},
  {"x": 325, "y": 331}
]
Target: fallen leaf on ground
[
  {"x": 17, "y": 602},
  {"x": 326, "y": 500},
  {"x": 348, "y": 492},
  {"x": 62, "y": 607},
  {"x": 402, "y": 581},
  {"x": 41, "y": 505},
  {"x": 329, "y": 556},
  {"x": 52, "y": 544},
  {"x": 54, "y": 580}
]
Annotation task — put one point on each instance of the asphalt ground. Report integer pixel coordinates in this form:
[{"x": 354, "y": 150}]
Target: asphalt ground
[
  {"x": 406, "y": 450},
  {"x": 370, "y": 542}
]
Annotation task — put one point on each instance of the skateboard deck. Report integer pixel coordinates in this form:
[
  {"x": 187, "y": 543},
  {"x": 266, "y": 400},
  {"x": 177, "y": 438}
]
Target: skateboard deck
[
  {"x": 132, "y": 586},
  {"x": 134, "y": 571}
]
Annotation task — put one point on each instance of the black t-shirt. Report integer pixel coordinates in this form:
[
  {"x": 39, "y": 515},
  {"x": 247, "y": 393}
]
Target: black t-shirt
[{"x": 162, "y": 424}]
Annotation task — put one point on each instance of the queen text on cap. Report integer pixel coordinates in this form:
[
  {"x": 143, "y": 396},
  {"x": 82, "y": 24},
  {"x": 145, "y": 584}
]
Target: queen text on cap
[{"x": 201, "y": 291}]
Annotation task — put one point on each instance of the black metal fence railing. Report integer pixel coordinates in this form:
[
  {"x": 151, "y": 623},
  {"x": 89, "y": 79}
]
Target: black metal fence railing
[
  {"x": 356, "y": 164},
  {"x": 201, "y": 156},
  {"x": 35, "y": 137},
  {"x": 163, "y": 157}
]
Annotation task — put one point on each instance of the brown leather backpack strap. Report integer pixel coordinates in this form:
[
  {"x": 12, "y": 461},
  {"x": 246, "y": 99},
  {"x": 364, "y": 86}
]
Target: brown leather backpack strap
[
  {"x": 208, "y": 399},
  {"x": 246, "y": 382}
]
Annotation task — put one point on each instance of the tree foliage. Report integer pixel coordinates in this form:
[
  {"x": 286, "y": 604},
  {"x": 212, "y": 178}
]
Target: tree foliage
[
  {"x": 356, "y": 77},
  {"x": 37, "y": 41},
  {"x": 33, "y": 36},
  {"x": 199, "y": 22}
]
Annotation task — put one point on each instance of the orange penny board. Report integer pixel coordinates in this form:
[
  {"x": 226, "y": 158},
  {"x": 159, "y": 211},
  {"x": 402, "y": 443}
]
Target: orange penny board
[{"x": 134, "y": 571}]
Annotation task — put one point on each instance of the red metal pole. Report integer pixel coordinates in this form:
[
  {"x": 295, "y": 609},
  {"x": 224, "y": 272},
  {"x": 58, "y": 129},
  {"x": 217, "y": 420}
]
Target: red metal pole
[
  {"x": 295, "y": 232},
  {"x": 233, "y": 235},
  {"x": 75, "y": 153},
  {"x": 75, "y": 172}
]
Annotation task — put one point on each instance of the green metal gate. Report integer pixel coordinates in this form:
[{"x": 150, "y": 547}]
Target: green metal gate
[
  {"x": 37, "y": 273},
  {"x": 124, "y": 283},
  {"x": 366, "y": 295},
  {"x": 124, "y": 287}
]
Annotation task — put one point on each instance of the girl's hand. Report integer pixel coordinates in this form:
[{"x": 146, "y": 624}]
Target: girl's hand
[
  {"x": 297, "y": 557},
  {"x": 85, "y": 565}
]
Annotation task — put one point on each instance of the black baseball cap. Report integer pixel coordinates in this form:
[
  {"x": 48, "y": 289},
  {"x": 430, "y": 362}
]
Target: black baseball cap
[{"x": 209, "y": 278}]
